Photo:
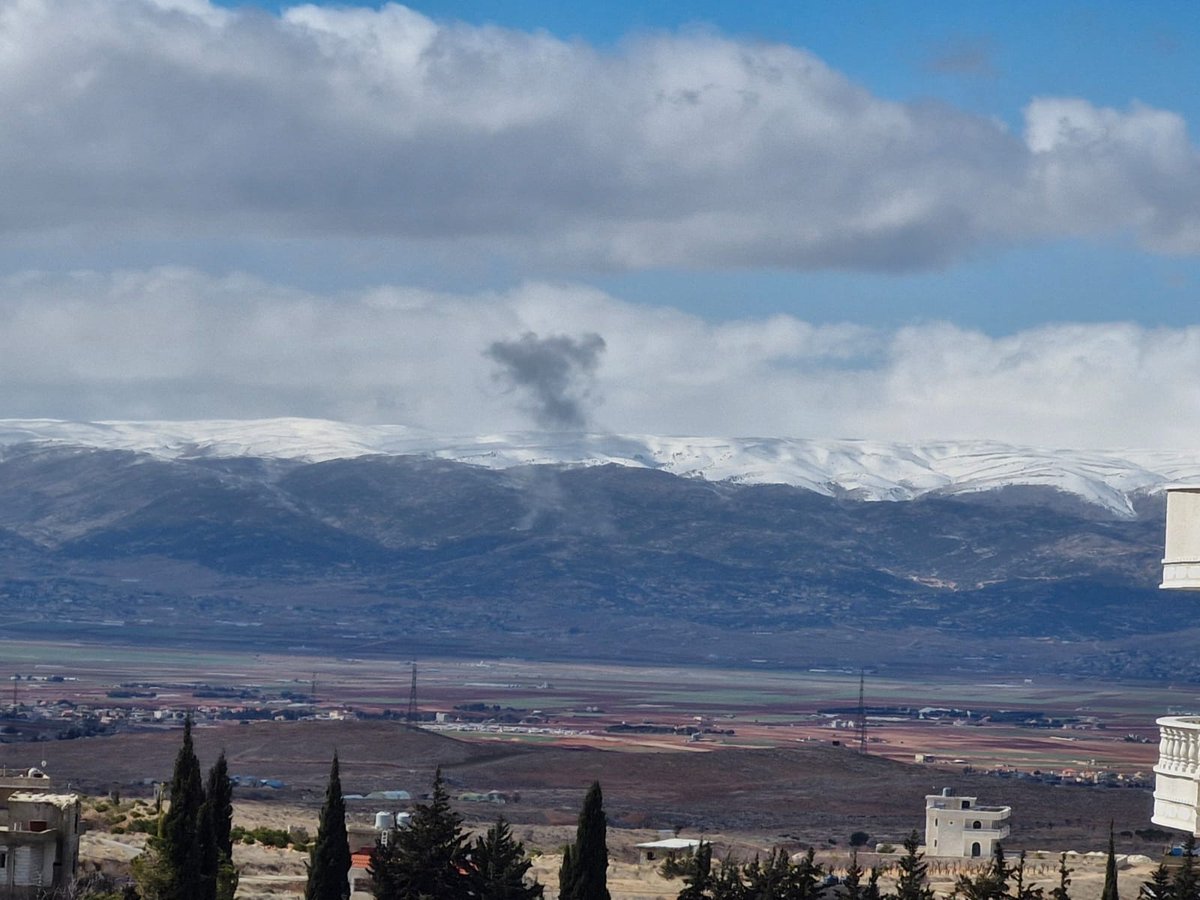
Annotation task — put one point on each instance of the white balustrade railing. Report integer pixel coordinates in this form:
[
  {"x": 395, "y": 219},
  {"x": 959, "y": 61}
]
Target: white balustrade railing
[{"x": 1177, "y": 773}]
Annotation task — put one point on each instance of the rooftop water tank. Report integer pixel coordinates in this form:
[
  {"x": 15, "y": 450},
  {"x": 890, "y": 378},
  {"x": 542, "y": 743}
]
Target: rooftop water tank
[
  {"x": 1181, "y": 562},
  {"x": 384, "y": 821}
]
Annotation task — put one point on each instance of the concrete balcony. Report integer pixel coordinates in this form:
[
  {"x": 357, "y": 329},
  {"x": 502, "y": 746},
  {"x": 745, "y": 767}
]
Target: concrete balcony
[{"x": 1177, "y": 774}]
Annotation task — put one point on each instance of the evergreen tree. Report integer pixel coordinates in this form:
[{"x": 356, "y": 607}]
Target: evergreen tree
[
  {"x": 1159, "y": 885},
  {"x": 426, "y": 859},
  {"x": 1062, "y": 892},
  {"x": 178, "y": 846},
  {"x": 588, "y": 877},
  {"x": 911, "y": 883},
  {"x": 991, "y": 884},
  {"x": 768, "y": 880},
  {"x": 728, "y": 884},
  {"x": 698, "y": 876},
  {"x": 566, "y": 872},
  {"x": 871, "y": 891},
  {"x": 1021, "y": 890},
  {"x": 852, "y": 886},
  {"x": 1184, "y": 884},
  {"x": 214, "y": 824},
  {"x": 329, "y": 859},
  {"x": 499, "y": 866},
  {"x": 1110, "y": 868},
  {"x": 806, "y": 878},
  {"x": 218, "y": 795}
]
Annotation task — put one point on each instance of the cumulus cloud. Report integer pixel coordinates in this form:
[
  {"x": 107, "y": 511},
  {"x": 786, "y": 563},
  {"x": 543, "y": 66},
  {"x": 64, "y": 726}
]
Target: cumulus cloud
[
  {"x": 176, "y": 121},
  {"x": 175, "y": 343},
  {"x": 555, "y": 372}
]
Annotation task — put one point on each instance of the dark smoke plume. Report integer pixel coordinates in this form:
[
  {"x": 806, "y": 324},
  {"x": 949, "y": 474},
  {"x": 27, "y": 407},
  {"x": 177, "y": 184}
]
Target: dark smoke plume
[{"x": 555, "y": 373}]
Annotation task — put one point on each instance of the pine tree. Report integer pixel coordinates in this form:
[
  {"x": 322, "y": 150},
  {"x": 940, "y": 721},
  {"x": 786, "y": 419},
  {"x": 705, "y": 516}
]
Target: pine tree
[
  {"x": 329, "y": 859},
  {"x": 1159, "y": 885},
  {"x": 871, "y": 891},
  {"x": 698, "y": 875},
  {"x": 768, "y": 880},
  {"x": 728, "y": 884},
  {"x": 499, "y": 866},
  {"x": 806, "y": 878},
  {"x": 425, "y": 859},
  {"x": 1110, "y": 868},
  {"x": 588, "y": 878},
  {"x": 911, "y": 882},
  {"x": 1184, "y": 884},
  {"x": 852, "y": 886},
  {"x": 1021, "y": 890},
  {"x": 1062, "y": 892},
  {"x": 991, "y": 884}
]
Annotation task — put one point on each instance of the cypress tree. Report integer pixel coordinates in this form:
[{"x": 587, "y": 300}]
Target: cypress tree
[
  {"x": 216, "y": 828},
  {"x": 329, "y": 859},
  {"x": 1110, "y": 869},
  {"x": 499, "y": 866},
  {"x": 566, "y": 873},
  {"x": 178, "y": 845},
  {"x": 589, "y": 858}
]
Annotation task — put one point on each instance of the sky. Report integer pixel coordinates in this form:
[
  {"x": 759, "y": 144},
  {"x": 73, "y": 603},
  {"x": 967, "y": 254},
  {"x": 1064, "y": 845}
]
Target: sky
[{"x": 891, "y": 221}]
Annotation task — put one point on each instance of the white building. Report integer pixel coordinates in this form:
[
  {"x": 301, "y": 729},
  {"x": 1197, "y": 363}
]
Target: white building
[
  {"x": 39, "y": 835},
  {"x": 1177, "y": 774},
  {"x": 956, "y": 826}
]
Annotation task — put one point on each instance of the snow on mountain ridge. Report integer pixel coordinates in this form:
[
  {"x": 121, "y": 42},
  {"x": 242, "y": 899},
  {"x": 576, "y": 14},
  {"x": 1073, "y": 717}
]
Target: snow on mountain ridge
[{"x": 868, "y": 470}]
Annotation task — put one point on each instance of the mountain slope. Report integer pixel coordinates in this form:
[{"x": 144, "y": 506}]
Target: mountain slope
[
  {"x": 416, "y": 554},
  {"x": 866, "y": 470}
]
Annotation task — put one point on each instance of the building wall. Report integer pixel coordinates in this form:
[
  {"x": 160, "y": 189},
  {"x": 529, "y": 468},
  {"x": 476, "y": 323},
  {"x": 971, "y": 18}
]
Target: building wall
[
  {"x": 956, "y": 826},
  {"x": 40, "y": 842}
]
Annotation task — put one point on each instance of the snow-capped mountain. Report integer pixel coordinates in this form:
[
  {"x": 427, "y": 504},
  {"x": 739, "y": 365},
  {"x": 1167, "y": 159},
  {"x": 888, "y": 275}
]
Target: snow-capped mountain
[{"x": 867, "y": 470}]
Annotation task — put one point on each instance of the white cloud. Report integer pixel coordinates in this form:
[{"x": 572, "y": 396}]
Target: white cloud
[
  {"x": 174, "y": 343},
  {"x": 180, "y": 121}
]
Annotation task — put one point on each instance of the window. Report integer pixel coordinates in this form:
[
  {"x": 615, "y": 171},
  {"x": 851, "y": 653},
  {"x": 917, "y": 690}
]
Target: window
[
  {"x": 37, "y": 824},
  {"x": 3, "y": 858},
  {"x": 977, "y": 824},
  {"x": 976, "y": 850}
]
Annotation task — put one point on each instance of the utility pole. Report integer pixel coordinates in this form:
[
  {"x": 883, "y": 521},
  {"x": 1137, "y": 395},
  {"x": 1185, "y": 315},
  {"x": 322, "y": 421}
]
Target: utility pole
[
  {"x": 412, "y": 717},
  {"x": 862, "y": 712}
]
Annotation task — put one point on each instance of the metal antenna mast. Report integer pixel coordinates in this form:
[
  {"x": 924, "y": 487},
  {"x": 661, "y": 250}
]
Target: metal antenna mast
[
  {"x": 412, "y": 717},
  {"x": 862, "y": 712}
]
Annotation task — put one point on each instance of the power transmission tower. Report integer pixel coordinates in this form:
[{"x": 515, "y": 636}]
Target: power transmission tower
[
  {"x": 862, "y": 712},
  {"x": 412, "y": 716}
]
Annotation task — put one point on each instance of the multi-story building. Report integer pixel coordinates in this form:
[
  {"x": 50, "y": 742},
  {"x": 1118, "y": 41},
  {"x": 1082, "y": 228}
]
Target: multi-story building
[
  {"x": 1177, "y": 774},
  {"x": 956, "y": 826},
  {"x": 39, "y": 834}
]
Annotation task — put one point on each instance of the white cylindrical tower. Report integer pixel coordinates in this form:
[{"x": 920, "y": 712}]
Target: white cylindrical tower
[{"x": 1181, "y": 561}]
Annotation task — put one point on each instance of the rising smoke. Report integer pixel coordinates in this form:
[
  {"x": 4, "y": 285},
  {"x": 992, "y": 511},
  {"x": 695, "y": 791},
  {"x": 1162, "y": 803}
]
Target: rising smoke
[{"x": 555, "y": 373}]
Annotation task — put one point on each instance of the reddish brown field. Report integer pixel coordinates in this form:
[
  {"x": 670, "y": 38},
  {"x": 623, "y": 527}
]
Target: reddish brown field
[{"x": 779, "y": 777}]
